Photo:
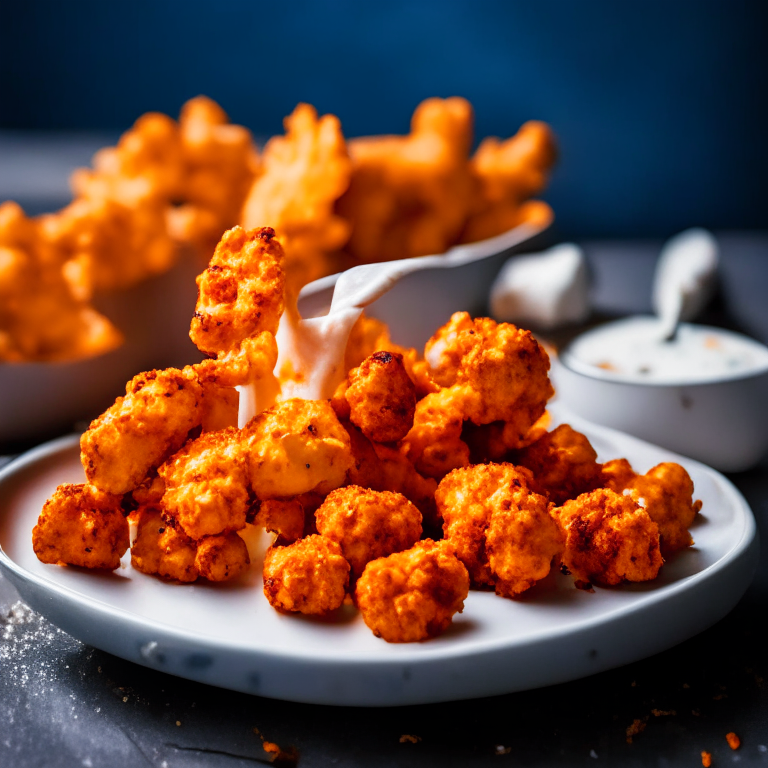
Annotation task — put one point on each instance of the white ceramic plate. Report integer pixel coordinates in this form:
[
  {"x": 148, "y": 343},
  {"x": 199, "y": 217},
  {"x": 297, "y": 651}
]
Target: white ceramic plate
[{"x": 229, "y": 636}]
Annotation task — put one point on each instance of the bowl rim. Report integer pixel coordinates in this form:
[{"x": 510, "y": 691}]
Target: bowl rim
[{"x": 588, "y": 371}]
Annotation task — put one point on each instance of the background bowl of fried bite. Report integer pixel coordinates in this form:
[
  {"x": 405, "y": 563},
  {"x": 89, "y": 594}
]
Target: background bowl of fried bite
[{"x": 101, "y": 290}]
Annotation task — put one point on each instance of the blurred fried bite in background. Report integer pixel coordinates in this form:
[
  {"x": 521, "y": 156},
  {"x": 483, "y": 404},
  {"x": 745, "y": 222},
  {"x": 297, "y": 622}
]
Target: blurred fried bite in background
[{"x": 304, "y": 172}]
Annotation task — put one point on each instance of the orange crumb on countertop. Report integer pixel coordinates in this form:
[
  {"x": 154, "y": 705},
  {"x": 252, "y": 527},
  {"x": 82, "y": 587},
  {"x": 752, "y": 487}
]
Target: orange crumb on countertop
[
  {"x": 706, "y": 759},
  {"x": 407, "y": 737},
  {"x": 638, "y": 726},
  {"x": 734, "y": 742},
  {"x": 285, "y": 758}
]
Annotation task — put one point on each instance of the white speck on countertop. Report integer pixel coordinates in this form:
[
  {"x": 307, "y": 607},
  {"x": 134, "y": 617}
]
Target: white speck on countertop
[
  {"x": 762, "y": 748},
  {"x": 592, "y": 753}
]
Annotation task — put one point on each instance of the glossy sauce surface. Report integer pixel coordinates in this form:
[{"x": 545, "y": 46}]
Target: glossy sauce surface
[{"x": 633, "y": 350}]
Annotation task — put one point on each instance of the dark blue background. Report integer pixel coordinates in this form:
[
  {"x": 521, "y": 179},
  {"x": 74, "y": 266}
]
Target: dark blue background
[{"x": 659, "y": 107}]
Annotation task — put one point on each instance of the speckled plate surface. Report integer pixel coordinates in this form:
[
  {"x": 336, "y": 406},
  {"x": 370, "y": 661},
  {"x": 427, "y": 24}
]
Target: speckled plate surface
[{"x": 229, "y": 636}]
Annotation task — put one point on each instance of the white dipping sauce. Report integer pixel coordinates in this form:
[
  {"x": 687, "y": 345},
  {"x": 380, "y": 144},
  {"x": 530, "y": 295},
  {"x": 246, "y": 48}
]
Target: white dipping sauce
[{"x": 632, "y": 350}]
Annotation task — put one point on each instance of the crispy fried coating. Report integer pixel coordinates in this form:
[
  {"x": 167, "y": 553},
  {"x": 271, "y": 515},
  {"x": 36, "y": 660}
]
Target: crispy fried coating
[
  {"x": 381, "y": 397},
  {"x": 368, "y": 524},
  {"x": 206, "y": 484},
  {"x": 504, "y": 369},
  {"x": 310, "y": 503},
  {"x": 666, "y": 494},
  {"x": 564, "y": 464},
  {"x": 490, "y": 373},
  {"x": 496, "y": 441},
  {"x": 309, "y": 576},
  {"x": 80, "y": 525},
  {"x": 507, "y": 173},
  {"x": 464, "y": 502},
  {"x": 250, "y": 363},
  {"x": 116, "y": 226},
  {"x": 609, "y": 538},
  {"x": 146, "y": 163},
  {"x": 409, "y": 195},
  {"x": 285, "y": 517},
  {"x": 142, "y": 429},
  {"x": 148, "y": 493},
  {"x": 240, "y": 294},
  {"x": 44, "y": 314},
  {"x": 160, "y": 549},
  {"x": 220, "y": 162},
  {"x": 521, "y": 540},
  {"x": 617, "y": 474},
  {"x": 192, "y": 175},
  {"x": 218, "y": 407},
  {"x": 412, "y": 595},
  {"x": 433, "y": 444},
  {"x": 369, "y": 335},
  {"x": 447, "y": 347},
  {"x": 383, "y": 468},
  {"x": 305, "y": 172},
  {"x": 295, "y": 447},
  {"x": 116, "y": 243},
  {"x": 222, "y": 558}
]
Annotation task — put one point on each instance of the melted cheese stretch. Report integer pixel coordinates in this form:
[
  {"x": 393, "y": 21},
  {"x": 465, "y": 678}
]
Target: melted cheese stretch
[{"x": 633, "y": 350}]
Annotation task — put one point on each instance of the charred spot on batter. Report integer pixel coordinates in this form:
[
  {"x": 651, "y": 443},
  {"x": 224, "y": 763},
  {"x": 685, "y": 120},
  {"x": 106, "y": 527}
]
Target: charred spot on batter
[{"x": 382, "y": 356}]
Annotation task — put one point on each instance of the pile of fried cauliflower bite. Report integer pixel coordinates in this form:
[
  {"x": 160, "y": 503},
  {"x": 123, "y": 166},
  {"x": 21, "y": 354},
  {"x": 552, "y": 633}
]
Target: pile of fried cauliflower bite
[
  {"x": 172, "y": 185},
  {"x": 422, "y": 477}
]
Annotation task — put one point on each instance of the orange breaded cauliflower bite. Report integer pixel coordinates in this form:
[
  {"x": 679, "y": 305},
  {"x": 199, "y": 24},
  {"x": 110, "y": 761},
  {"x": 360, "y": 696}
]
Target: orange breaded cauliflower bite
[
  {"x": 609, "y": 539},
  {"x": 283, "y": 517},
  {"x": 563, "y": 462},
  {"x": 80, "y": 525},
  {"x": 506, "y": 370},
  {"x": 368, "y": 524},
  {"x": 433, "y": 444},
  {"x": 666, "y": 494},
  {"x": 309, "y": 576},
  {"x": 141, "y": 429},
  {"x": 206, "y": 484},
  {"x": 412, "y": 595},
  {"x": 160, "y": 549},
  {"x": 463, "y": 501},
  {"x": 489, "y": 373},
  {"x": 240, "y": 294},
  {"x": 295, "y": 447},
  {"x": 381, "y": 397},
  {"x": 222, "y": 558},
  {"x": 521, "y": 541}
]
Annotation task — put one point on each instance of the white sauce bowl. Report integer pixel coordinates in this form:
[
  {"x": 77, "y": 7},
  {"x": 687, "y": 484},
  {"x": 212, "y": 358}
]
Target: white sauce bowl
[{"x": 721, "y": 420}]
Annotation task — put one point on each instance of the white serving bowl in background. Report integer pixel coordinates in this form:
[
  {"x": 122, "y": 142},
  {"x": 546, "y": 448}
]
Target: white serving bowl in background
[
  {"x": 41, "y": 400},
  {"x": 722, "y": 422},
  {"x": 437, "y": 286}
]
